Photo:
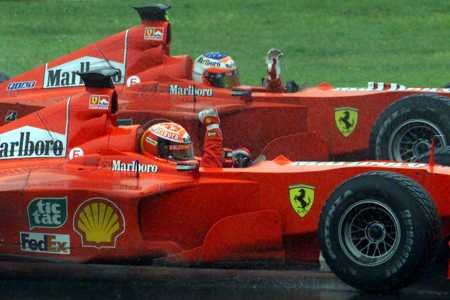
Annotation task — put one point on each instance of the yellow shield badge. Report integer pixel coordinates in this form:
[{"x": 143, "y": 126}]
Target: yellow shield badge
[
  {"x": 302, "y": 198},
  {"x": 346, "y": 120}
]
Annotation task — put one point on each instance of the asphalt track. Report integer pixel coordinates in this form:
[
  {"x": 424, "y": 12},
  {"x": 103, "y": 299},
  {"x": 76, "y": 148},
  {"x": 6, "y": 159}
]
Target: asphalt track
[{"x": 74, "y": 281}]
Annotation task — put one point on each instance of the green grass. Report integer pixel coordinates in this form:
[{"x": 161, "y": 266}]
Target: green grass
[{"x": 346, "y": 43}]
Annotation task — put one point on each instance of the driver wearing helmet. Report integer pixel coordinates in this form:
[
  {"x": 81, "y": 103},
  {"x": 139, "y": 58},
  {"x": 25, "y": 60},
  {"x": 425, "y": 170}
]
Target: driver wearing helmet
[
  {"x": 169, "y": 140},
  {"x": 216, "y": 69},
  {"x": 219, "y": 70}
]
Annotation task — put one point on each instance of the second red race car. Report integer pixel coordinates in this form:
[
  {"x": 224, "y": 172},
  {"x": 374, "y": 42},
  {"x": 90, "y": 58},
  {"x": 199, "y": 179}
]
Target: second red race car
[
  {"x": 75, "y": 187},
  {"x": 384, "y": 121}
]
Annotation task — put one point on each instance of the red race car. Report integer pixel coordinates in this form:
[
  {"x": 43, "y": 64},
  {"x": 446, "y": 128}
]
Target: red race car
[
  {"x": 78, "y": 188},
  {"x": 385, "y": 121}
]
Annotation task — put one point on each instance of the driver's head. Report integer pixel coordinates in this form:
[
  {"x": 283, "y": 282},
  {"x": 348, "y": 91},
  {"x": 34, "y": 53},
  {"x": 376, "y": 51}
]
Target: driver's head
[
  {"x": 216, "y": 69},
  {"x": 168, "y": 141}
]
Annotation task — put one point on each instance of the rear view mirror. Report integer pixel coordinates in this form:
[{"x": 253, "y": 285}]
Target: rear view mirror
[{"x": 188, "y": 165}]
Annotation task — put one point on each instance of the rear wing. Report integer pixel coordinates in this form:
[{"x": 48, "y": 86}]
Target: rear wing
[
  {"x": 132, "y": 51},
  {"x": 156, "y": 12},
  {"x": 101, "y": 78}
]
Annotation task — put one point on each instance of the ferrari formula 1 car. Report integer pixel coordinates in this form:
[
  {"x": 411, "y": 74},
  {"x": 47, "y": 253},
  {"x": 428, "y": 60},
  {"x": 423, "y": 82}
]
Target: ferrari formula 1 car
[
  {"x": 383, "y": 121},
  {"x": 75, "y": 187}
]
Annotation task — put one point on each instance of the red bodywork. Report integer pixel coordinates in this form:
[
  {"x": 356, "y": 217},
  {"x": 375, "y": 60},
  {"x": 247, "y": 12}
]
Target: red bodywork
[
  {"x": 75, "y": 188},
  {"x": 153, "y": 84}
]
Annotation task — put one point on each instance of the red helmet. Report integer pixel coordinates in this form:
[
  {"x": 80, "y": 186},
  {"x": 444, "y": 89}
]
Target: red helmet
[{"x": 167, "y": 140}]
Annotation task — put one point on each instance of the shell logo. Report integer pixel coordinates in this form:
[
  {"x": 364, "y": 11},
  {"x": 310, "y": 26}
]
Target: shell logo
[{"x": 99, "y": 223}]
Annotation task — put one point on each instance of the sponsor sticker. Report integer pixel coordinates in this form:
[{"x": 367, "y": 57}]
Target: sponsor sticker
[
  {"x": 208, "y": 62},
  {"x": 168, "y": 132},
  {"x": 134, "y": 166},
  {"x": 153, "y": 33},
  {"x": 380, "y": 86},
  {"x": 212, "y": 133},
  {"x": 99, "y": 102},
  {"x": 10, "y": 116},
  {"x": 387, "y": 86},
  {"x": 301, "y": 198},
  {"x": 76, "y": 152},
  {"x": 50, "y": 212},
  {"x": 99, "y": 223},
  {"x": 190, "y": 90},
  {"x": 133, "y": 80},
  {"x": 346, "y": 119},
  {"x": 45, "y": 243},
  {"x": 151, "y": 141},
  {"x": 21, "y": 85},
  {"x": 31, "y": 142},
  {"x": 359, "y": 164},
  {"x": 65, "y": 75}
]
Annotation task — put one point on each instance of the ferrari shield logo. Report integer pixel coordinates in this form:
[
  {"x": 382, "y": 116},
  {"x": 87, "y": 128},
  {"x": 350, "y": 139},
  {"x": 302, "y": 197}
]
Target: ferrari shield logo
[
  {"x": 302, "y": 198},
  {"x": 346, "y": 120}
]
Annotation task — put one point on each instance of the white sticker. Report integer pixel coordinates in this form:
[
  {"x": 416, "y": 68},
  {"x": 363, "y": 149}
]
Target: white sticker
[
  {"x": 380, "y": 164},
  {"x": 133, "y": 80},
  {"x": 31, "y": 142},
  {"x": 65, "y": 75},
  {"x": 76, "y": 152}
]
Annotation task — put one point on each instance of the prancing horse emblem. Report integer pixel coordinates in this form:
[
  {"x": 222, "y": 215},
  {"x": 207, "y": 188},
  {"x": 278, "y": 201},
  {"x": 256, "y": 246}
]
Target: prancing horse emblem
[
  {"x": 346, "y": 120},
  {"x": 301, "y": 198}
]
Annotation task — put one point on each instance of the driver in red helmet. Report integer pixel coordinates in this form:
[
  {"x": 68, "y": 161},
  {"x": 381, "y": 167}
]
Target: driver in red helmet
[{"x": 169, "y": 140}]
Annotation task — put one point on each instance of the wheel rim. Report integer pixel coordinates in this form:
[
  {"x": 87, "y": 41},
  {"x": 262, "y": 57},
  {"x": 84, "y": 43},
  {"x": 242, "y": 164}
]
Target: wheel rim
[
  {"x": 412, "y": 140},
  {"x": 369, "y": 232}
]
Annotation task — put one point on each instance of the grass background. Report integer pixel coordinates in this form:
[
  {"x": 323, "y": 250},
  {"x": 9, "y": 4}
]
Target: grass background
[{"x": 347, "y": 43}]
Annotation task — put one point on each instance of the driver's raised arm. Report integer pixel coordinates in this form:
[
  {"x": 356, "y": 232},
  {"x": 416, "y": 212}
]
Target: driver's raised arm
[{"x": 213, "y": 153}]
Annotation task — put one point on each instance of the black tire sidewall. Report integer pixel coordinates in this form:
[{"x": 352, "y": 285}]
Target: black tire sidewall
[
  {"x": 411, "y": 253},
  {"x": 432, "y": 108},
  {"x": 441, "y": 157}
]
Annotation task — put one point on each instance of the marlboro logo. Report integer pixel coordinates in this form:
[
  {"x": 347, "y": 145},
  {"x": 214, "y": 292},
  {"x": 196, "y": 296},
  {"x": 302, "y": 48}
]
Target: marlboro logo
[
  {"x": 65, "y": 75},
  {"x": 31, "y": 142},
  {"x": 189, "y": 91},
  {"x": 134, "y": 166}
]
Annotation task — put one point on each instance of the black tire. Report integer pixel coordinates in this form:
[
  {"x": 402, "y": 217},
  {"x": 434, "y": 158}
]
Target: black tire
[
  {"x": 3, "y": 77},
  {"x": 441, "y": 157},
  {"x": 410, "y": 124},
  {"x": 410, "y": 231}
]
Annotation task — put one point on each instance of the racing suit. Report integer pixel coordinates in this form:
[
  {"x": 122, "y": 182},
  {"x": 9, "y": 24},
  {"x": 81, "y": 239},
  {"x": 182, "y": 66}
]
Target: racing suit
[
  {"x": 273, "y": 81},
  {"x": 213, "y": 153}
]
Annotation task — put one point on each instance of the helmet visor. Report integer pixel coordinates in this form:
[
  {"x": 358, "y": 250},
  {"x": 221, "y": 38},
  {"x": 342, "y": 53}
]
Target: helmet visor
[
  {"x": 175, "y": 151},
  {"x": 223, "y": 78}
]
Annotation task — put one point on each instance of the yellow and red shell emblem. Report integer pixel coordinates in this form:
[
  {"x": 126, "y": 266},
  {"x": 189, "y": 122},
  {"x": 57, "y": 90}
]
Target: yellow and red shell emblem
[{"x": 99, "y": 222}]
